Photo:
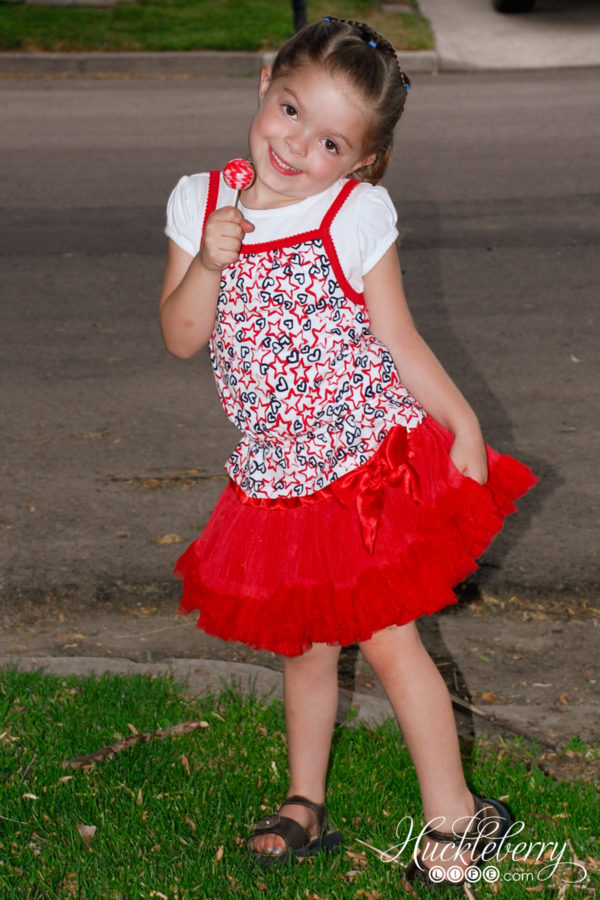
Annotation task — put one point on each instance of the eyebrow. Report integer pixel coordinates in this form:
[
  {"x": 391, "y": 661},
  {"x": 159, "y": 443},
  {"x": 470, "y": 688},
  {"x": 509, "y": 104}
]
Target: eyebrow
[{"x": 337, "y": 137}]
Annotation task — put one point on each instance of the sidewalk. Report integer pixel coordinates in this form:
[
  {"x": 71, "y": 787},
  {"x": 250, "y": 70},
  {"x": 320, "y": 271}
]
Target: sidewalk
[{"x": 470, "y": 35}]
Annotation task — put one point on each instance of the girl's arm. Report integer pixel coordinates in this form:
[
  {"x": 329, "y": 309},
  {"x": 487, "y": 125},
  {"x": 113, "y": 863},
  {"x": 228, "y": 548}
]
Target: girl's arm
[
  {"x": 419, "y": 369},
  {"x": 188, "y": 301}
]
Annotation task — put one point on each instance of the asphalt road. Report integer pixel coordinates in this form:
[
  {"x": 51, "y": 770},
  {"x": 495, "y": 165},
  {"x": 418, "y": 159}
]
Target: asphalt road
[{"x": 497, "y": 185}]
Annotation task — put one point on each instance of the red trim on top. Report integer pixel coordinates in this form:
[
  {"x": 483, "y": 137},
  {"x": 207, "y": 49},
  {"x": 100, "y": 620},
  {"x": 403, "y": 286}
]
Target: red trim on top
[
  {"x": 338, "y": 202},
  {"x": 323, "y": 232},
  {"x": 214, "y": 179},
  {"x": 330, "y": 247},
  {"x": 282, "y": 242}
]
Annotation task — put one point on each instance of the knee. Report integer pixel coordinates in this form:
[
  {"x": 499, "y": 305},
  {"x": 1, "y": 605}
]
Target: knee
[
  {"x": 392, "y": 647},
  {"x": 319, "y": 656}
]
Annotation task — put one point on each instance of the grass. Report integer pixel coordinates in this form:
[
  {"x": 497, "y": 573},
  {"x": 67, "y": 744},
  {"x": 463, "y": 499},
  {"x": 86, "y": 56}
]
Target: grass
[
  {"x": 251, "y": 25},
  {"x": 172, "y": 815}
]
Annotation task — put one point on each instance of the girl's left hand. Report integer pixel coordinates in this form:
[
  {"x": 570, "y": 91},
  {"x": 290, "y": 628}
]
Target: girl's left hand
[{"x": 469, "y": 456}]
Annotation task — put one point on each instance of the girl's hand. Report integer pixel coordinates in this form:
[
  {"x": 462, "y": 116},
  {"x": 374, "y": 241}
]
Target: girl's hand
[
  {"x": 223, "y": 236},
  {"x": 469, "y": 456}
]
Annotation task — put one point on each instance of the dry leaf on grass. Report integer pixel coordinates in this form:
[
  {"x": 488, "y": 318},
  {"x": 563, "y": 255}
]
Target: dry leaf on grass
[
  {"x": 86, "y": 832},
  {"x": 359, "y": 859},
  {"x": 351, "y": 874},
  {"x": 69, "y": 884},
  {"x": 408, "y": 888}
]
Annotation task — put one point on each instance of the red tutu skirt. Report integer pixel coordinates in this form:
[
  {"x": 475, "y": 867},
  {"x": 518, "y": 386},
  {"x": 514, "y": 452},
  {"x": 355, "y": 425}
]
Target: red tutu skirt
[{"x": 380, "y": 546}]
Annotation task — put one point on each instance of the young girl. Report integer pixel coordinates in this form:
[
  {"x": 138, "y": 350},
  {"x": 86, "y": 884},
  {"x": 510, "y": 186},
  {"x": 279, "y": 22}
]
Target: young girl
[{"x": 361, "y": 490}]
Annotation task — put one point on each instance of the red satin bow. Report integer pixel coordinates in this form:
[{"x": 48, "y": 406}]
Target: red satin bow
[{"x": 389, "y": 467}]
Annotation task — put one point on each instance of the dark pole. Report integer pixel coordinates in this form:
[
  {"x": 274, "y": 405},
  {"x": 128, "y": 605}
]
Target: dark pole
[{"x": 299, "y": 10}]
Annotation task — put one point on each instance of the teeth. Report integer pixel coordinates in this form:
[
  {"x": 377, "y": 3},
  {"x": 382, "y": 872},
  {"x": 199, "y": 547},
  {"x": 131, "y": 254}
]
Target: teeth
[{"x": 282, "y": 164}]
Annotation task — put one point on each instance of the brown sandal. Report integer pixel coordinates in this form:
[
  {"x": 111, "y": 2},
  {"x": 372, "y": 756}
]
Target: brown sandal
[
  {"x": 482, "y": 841},
  {"x": 297, "y": 839}
]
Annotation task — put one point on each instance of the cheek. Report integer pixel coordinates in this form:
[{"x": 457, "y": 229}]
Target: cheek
[
  {"x": 325, "y": 170},
  {"x": 265, "y": 123},
  {"x": 327, "y": 166}
]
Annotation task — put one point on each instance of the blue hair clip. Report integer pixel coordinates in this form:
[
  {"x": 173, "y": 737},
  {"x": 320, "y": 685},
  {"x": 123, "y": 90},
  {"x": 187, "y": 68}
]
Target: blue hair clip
[
  {"x": 372, "y": 44},
  {"x": 326, "y": 19}
]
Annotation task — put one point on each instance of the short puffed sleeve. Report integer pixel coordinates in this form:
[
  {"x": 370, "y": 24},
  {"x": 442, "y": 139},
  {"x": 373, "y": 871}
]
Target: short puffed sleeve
[
  {"x": 185, "y": 212},
  {"x": 377, "y": 226},
  {"x": 364, "y": 231}
]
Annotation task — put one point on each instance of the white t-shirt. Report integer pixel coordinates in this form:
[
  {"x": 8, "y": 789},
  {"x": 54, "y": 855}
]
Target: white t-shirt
[{"x": 362, "y": 232}]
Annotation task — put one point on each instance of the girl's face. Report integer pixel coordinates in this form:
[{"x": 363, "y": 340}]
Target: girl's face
[{"x": 310, "y": 130}]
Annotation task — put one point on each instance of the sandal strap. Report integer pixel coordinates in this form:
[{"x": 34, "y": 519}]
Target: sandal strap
[
  {"x": 444, "y": 837},
  {"x": 485, "y": 810},
  {"x": 291, "y": 831},
  {"x": 294, "y": 834},
  {"x": 319, "y": 809}
]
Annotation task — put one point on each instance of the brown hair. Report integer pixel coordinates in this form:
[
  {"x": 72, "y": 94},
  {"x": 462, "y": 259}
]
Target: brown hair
[{"x": 369, "y": 61}]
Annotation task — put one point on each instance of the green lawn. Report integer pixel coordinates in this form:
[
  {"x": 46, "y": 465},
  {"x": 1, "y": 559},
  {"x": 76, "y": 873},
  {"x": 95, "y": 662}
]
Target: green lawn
[
  {"x": 251, "y": 25},
  {"x": 171, "y": 816}
]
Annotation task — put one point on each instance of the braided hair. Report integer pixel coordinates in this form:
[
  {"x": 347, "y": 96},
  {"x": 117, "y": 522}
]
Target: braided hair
[{"x": 367, "y": 60}]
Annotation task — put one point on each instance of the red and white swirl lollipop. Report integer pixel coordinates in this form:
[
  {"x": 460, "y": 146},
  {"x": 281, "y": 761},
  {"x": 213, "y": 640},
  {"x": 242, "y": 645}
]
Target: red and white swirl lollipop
[{"x": 238, "y": 174}]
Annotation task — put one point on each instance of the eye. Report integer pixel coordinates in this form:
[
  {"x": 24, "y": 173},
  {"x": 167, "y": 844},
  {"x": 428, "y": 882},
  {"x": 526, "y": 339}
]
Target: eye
[
  {"x": 330, "y": 145},
  {"x": 290, "y": 110}
]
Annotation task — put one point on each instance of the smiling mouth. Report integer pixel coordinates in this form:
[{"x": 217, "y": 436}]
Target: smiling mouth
[{"x": 280, "y": 166}]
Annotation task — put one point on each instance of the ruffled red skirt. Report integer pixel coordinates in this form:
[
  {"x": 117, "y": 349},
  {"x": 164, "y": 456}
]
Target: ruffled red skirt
[{"x": 383, "y": 545}]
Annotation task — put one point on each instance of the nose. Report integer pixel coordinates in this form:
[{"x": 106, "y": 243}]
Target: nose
[{"x": 297, "y": 144}]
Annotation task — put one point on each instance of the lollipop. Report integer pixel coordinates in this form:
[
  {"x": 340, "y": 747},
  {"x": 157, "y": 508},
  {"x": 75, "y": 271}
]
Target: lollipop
[{"x": 238, "y": 174}]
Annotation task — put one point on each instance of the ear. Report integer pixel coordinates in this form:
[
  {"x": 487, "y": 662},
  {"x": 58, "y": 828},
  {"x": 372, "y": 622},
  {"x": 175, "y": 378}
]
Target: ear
[
  {"x": 265, "y": 81},
  {"x": 367, "y": 161}
]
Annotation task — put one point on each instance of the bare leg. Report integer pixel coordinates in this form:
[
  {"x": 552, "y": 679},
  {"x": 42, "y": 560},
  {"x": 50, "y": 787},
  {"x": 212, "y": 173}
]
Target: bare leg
[
  {"x": 423, "y": 709},
  {"x": 311, "y": 699}
]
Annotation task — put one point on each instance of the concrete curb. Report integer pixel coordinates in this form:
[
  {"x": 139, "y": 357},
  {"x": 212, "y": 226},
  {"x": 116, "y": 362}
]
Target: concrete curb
[
  {"x": 201, "y": 677},
  {"x": 212, "y": 676},
  {"x": 166, "y": 64},
  {"x": 132, "y": 64}
]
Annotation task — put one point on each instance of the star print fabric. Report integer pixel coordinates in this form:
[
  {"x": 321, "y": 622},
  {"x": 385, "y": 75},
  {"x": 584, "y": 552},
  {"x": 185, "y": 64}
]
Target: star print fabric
[{"x": 298, "y": 373}]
